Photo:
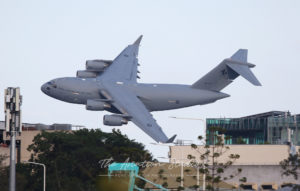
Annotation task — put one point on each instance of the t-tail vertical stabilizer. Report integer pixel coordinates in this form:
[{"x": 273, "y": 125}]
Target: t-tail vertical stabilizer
[{"x": 228, "y": 70}]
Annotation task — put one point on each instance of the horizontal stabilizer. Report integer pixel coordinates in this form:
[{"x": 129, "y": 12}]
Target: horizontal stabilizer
[
  {"x": 171, "y": 140},
  {"x": 245, "y": 71},
  {"x": 228, "y": 70}
]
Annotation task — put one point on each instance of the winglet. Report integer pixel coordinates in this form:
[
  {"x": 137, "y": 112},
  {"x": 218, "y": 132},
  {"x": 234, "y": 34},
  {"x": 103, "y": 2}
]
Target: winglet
[
  {"x": 138, "y": 41},
  {"x": 171, "y": 140}
]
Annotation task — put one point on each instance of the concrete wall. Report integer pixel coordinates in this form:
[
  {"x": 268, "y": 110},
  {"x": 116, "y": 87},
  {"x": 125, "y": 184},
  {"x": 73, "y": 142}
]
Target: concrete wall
[
  {"x": 259, "y": 163},
  {"x": 26, "y": 140},
  {"x": 260, "y": 174},
  {"x": 249, "y": 154}
]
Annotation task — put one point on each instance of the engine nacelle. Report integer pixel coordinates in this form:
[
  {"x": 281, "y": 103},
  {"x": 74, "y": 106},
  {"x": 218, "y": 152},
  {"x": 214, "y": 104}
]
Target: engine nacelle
[
  {"x": 114, "y": 120},
  {"x": 86, "y": 74},
  {"x": 95, "y": 105},
  {"x": 97, "y": 65}
]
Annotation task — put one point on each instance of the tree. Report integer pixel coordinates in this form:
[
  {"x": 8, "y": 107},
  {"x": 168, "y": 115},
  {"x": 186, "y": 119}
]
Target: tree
[
  {"x": 74, "y": 160},
  {"x": 291, "y": 165},
  {"x": 210, "y": 163},
  {"x": 20, "y": 177}
]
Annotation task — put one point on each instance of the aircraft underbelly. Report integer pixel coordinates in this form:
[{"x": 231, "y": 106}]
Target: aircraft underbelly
[{"x": 166, "y": 97}]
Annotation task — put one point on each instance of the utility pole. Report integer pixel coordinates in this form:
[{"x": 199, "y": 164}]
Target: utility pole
[{"x": 13, "y": 125}]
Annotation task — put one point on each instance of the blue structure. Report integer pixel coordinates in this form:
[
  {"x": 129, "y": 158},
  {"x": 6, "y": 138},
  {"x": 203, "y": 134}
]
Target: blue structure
[{"x": 133, "y": 171}]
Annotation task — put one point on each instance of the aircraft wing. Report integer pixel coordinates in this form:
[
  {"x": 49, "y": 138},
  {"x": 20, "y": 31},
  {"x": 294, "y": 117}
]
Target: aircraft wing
[
  {"x": 124, "y": 66},
  {"x": 130, "y": 105}
]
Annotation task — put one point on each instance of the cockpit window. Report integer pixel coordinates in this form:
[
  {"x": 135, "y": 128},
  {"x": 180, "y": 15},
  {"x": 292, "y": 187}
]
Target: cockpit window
[{"x": 52, "y": 84}]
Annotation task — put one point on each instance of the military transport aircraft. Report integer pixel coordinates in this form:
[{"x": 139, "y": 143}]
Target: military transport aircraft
[{"x": 112, "y": 85}]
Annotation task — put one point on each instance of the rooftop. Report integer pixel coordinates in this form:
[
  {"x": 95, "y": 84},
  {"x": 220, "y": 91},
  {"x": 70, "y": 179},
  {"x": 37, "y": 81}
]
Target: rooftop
[{"x": 40, "y": 126}]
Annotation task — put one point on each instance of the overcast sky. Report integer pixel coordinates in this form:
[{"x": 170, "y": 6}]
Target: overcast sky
[{"x": 183, "y": 40}]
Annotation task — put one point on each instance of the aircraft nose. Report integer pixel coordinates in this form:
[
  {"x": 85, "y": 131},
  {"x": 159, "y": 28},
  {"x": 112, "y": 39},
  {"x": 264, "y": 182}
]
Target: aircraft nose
[{"x": 45, "y": 88}]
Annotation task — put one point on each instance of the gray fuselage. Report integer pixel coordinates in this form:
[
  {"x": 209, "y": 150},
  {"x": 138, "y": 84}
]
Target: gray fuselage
[{"x": 156, "y": 97}]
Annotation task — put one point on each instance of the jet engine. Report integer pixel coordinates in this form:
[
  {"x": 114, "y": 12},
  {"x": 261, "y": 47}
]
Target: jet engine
[
  {"x": 95, "y": 105},
  {"x": 86, "y": 74},
  {"x": 97, "y": 65},
  {"x": 93, "y": 68},
  {"x": 114, "y": 120}
]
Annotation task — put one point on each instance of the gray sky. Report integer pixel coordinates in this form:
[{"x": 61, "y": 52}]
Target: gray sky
[{"x": 183, "y": 40}]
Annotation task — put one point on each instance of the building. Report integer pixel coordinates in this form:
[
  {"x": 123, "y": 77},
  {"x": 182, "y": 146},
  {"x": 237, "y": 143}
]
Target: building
[
  {"x": 274, "y": 127},
  {"x": 29, "y": 131},
  {"x": 262, "y": 141},
  {"x": 259, "y": 163}
]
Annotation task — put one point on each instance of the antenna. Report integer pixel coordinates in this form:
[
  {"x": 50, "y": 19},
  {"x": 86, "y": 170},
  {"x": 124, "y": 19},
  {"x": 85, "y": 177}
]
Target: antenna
[{"x": 13, "y": 124}]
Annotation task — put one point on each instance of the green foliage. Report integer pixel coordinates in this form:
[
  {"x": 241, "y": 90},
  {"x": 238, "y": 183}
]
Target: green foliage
[
  {"x": 200, "y": 138},
  {"x": 178, "y": 179},
  {"x": 243, "y": 179},
  {"x": 193, "y": 146},
  {"x": 210, "y": 164},
  {"x": 165, "y": 185},
  {"x": 161, "y": 176},
  {"x": 75, "y": 159},
  {"x": 240, "y": 141},
  {"x": 160, "y": 173},
  {"x": 195, "y": 187},
  {"x": 291, "y": 165},
  {"x": 190, "y": 157},
  {"x": 21, "y": 177}
]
